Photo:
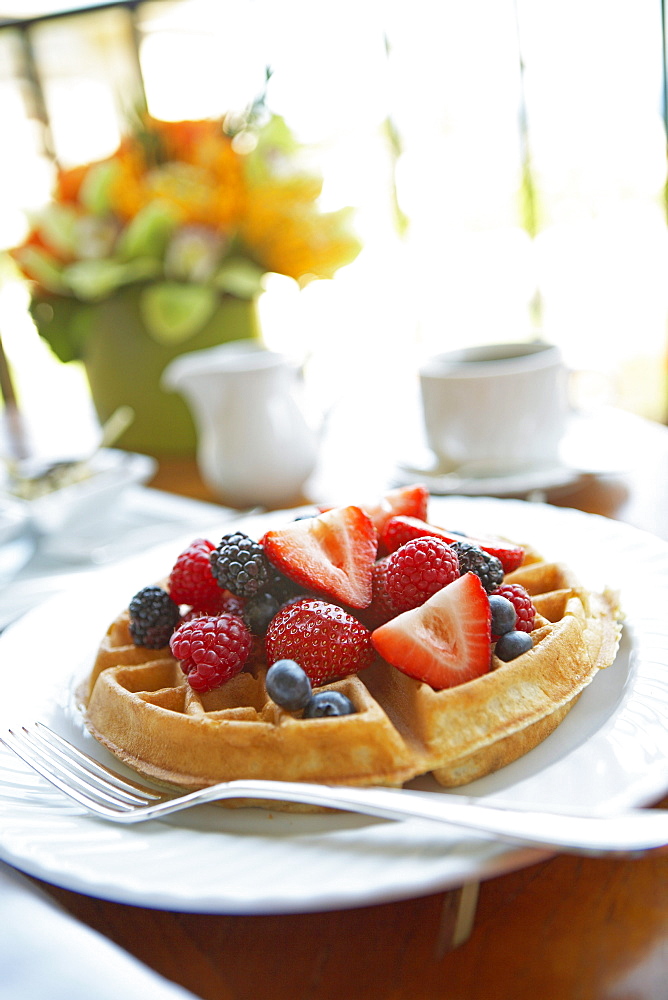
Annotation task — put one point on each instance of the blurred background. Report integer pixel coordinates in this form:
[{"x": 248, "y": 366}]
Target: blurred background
[{"x": 506, "y": 161}]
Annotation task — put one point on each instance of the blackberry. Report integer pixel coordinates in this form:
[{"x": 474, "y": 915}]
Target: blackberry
[
  {"x": 281, "y": 586},
  {"x": 473, "y": 560},
  {"x": 240, "y": 565},
  {"x": 153, "y": 617},
  {"x": 258, "y": 612}
]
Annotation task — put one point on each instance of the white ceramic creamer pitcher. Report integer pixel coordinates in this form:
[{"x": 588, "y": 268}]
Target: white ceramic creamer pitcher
[{"x": 255, "y": 446}]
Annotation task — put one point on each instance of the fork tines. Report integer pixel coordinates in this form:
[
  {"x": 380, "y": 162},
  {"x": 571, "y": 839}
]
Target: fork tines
[{"x": 75, "y": 772}]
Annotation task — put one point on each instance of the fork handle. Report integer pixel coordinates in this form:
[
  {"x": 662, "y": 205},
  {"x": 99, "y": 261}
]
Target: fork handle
[{"x": 635, "y": 831}]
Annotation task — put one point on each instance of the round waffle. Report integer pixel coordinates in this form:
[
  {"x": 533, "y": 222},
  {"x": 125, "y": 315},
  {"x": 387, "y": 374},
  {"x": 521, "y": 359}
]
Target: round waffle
[{"x": 139, "y": 704}]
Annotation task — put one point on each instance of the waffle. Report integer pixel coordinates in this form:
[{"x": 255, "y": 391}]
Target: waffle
[{"x": 139, "y": 705}]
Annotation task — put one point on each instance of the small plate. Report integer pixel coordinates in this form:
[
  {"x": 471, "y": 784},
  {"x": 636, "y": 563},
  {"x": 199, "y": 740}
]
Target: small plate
[{"x": 108, "y": 473}]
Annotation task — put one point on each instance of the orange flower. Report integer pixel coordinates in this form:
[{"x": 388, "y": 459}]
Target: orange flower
[
  {"x": 68, "y": 183},
  {"x": 260, "y": 207}
]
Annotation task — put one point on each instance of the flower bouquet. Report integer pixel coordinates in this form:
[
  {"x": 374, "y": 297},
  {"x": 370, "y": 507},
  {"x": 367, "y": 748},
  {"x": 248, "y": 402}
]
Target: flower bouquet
[{"x": 162, "y": 247}]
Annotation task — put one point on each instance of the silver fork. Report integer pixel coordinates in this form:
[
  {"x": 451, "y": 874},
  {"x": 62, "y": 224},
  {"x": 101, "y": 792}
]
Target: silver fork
[{"x": 120, "y": 800}]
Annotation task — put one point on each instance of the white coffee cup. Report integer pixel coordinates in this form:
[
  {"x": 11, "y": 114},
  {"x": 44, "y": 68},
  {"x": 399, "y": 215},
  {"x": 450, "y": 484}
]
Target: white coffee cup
[{"x": 496, "y": 409}]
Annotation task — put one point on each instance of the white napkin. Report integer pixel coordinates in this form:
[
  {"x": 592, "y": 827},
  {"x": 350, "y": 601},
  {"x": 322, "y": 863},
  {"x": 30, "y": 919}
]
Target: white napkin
[{"x": 46, "y": 954}]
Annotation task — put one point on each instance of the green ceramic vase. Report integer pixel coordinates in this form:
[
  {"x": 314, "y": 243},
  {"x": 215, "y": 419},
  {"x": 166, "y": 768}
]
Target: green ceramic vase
[{"x": 124, "y": 365}]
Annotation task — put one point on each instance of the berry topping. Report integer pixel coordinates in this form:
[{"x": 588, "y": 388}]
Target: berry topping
[
  {"x": 153, "y": 617},
  {"x": 504, "y": 615},
  {"x": 288, "y": 685},
  {"x": 473, "y": 560},
  {"x": 211, "y": 649},
  {"x": 521, "y": 600},
  {"x": 239, "y": 564},
  {"x": 401, "y": 529},
  {"x": 513, "y": 644},
  {"x": 191, "y": 580},
  {"x": 381, "y": 608},
  {"x": 446, "y": 640},
  {"x": 411, "y": 501},
  {"x": 258, "y": 612},
  {"x": 417, "y": 570},
  {"x": 282, "y": 587},
  {"x": 324, "y": 703},
  {"x": 323, "y": 638},
  {"x": 332, "y": 554}
]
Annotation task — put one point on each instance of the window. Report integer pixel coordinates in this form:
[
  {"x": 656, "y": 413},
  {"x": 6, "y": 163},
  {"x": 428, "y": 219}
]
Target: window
[{"x": 507, "y": 160}]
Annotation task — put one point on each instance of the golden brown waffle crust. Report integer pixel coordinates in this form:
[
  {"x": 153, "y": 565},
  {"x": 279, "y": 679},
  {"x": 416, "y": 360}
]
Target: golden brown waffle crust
[{"x": 138, "y": 704}]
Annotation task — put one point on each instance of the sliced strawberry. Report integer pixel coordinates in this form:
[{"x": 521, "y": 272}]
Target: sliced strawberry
[
  {"x": 411, "y": 501},
  {"x": 401, "y": 529},
  {"x": 332, "y": 554},
  {"x": 446, "y": 640}
]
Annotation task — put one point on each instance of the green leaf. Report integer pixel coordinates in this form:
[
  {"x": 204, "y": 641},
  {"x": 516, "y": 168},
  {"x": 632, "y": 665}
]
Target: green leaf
[
  {"x": 240, "y": 277},
  {"x": 275, "y": 137},
  {"x": 57, "y": 226},
  {"x": 41, "y": 267},
  {"x": 174, "y": 311},
  {"x": 148, "y": 233},
  {"x": 63, "y": 323},
  {"x": 93, "y": 280},
  {"x": 95, "y": 187}
]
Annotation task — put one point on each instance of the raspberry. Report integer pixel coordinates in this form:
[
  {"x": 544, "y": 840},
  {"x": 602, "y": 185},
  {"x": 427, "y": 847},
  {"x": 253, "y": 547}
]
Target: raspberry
[
  {"x": 325, "y": 640},
  {"x": 191, "y": 580},
  {"x": 240, "y": 565},
  {"x": 153, "y": 616},
  {"x": 485, "y": 566},
  {"x": 212, "y": 649},
  {"x": 520, "y": 599},
  {"x": 418, "y": 569}
]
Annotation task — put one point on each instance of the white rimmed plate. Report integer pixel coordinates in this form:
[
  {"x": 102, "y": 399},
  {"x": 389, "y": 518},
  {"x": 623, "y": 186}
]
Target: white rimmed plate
[{"x": 610, "y": 752}]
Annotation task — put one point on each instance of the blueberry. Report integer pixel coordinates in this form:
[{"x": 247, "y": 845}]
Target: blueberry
[
  {"x": 259, "y": 611},
  {"x": 288, "y": 685},
  {"x": 513, "y": 644},
  {"x": 504, "y": 615},
  {"x": 328, "y": 703}
]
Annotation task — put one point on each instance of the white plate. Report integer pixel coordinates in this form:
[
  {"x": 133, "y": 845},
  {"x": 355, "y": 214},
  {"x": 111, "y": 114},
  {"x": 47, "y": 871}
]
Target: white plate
[{"x": 610, "y": 752}]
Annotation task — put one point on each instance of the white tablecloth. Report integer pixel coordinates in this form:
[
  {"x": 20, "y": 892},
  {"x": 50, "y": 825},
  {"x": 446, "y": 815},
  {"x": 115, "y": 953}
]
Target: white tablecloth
[{"x": 45, "y": 954}]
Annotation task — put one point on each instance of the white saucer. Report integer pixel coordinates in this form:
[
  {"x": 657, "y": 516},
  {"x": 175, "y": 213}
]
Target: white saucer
[
  {"x": 598, "y": 444},
  {"x": 516, "y": 484}
]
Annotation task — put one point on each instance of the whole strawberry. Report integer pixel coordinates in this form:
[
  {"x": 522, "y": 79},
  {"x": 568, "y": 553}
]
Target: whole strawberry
[
  {"x": 381, "y": 609},
  {"x": 417, "y": 570},
  {"x": 322, "y": 638},
  {"x": 212, "y": 649},
  {"x": 191, "y": 580}
]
